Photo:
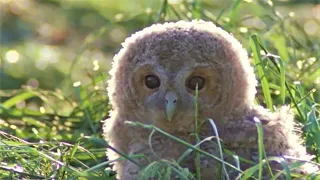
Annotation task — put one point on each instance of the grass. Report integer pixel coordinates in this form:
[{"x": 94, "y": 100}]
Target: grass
[{"x": 55, "y": 132}]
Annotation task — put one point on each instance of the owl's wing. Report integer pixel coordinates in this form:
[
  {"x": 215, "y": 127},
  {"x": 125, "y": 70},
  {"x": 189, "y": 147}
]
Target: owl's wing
[{"x": 280, "y": 139}]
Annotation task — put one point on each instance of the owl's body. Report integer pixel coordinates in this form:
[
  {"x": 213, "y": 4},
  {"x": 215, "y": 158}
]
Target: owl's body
[{"x": 153, "y": 81}]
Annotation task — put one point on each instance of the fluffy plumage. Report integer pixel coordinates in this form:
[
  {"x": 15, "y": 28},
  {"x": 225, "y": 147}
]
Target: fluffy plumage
[{"x": 174, "y": 53}]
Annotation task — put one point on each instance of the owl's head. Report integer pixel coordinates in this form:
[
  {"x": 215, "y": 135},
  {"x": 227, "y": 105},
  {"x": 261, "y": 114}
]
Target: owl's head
[{"x": 155, "y": 75}]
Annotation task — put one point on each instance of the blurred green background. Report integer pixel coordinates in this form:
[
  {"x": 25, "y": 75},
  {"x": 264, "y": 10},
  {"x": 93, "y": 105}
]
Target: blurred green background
[
  {"x": 55, "y": 56},
  {"x": 41, "y": 38}
]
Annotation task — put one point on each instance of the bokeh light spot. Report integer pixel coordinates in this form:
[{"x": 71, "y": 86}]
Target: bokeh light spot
[
  {"x": 262, "y": 52},
  {"x": 12, "y": 56},
  {"x": 35, "y": 131},
  {"x": 42, "y": 110},
  {"x": 291, "y": 14},
  {"x": 119, "y": 17},
  {"x": 299, "y": 64},
  {"x": 76, "y": 84},
  {"x": 310, "y": 27},
  {"x": 21, "y": 105},
  {"x": 148, "y": 10},
  {"x": 189, "y": 14},
  {"x": 312, "y": 60},
  {"x": 118, "y": 34},
  {"x": 33, "y": 83},
  {"x": 243, "y": 29},
  {"x": 41, "y": 64},
  {"x": 226, "y": 19},
  {"x": 316, "y": 11},
  {"x": 5, "y": 1},
  {"x": 96, "y": 65},
  {"x": 174, "y": 1},
  {"x": 13, "y": 126}
]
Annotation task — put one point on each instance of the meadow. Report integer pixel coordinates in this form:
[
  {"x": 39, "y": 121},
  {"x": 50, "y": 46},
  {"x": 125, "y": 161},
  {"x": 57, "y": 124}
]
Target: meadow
[{"x": 55, "y": 57}]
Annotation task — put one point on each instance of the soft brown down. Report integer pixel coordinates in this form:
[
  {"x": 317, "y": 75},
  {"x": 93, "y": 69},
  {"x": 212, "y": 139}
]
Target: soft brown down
[{"x": 174, "y": 52}]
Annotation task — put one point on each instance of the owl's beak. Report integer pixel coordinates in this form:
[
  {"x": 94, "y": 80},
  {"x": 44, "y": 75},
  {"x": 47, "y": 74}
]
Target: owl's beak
[{"x": 171, "y": 99}]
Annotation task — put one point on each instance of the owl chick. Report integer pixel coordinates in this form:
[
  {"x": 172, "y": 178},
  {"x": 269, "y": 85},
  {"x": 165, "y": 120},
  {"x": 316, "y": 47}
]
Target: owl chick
[{"x": 153, "y": 81}]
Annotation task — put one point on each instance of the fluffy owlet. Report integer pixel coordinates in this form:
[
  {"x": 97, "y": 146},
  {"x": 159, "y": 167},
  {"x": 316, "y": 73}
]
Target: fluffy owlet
[{"x": 153, "y": 81}]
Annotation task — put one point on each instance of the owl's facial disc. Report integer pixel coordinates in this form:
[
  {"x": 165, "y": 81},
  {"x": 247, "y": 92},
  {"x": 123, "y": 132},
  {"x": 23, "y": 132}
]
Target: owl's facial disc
[{"x": 171, "y": 99}]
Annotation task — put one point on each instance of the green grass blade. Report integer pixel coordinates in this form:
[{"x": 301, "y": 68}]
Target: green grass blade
[
  {"x": 82, "y": 95},
  {"x": 302, "y": 104},
  {"x": 255, "y": 46},
  {"x": 234, "y": 11},
  {"x": 214, "y": 127},
  {"x": 285, "y": 166},
  {"x": 151, "y": 127},
  {"x": 163, "y": 11},
  {"x": 282, "y": 82},
  {"x": 277, "y": 61},
  {"x": 279, "y": 41},
  {"x": 197, "y": 158},
  {"x": 313, "y": 126},
  {"x": 260, "y": 144},
  {"x": 18, "y": 98},
  {"x": 196, "y": 9},
  {"x": 248, "y": 173}
]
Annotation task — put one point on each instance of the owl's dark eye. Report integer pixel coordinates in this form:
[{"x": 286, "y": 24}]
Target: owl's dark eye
[
  {"x": 193, "y": 81},
  {"x": 152, "y": 81}
]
